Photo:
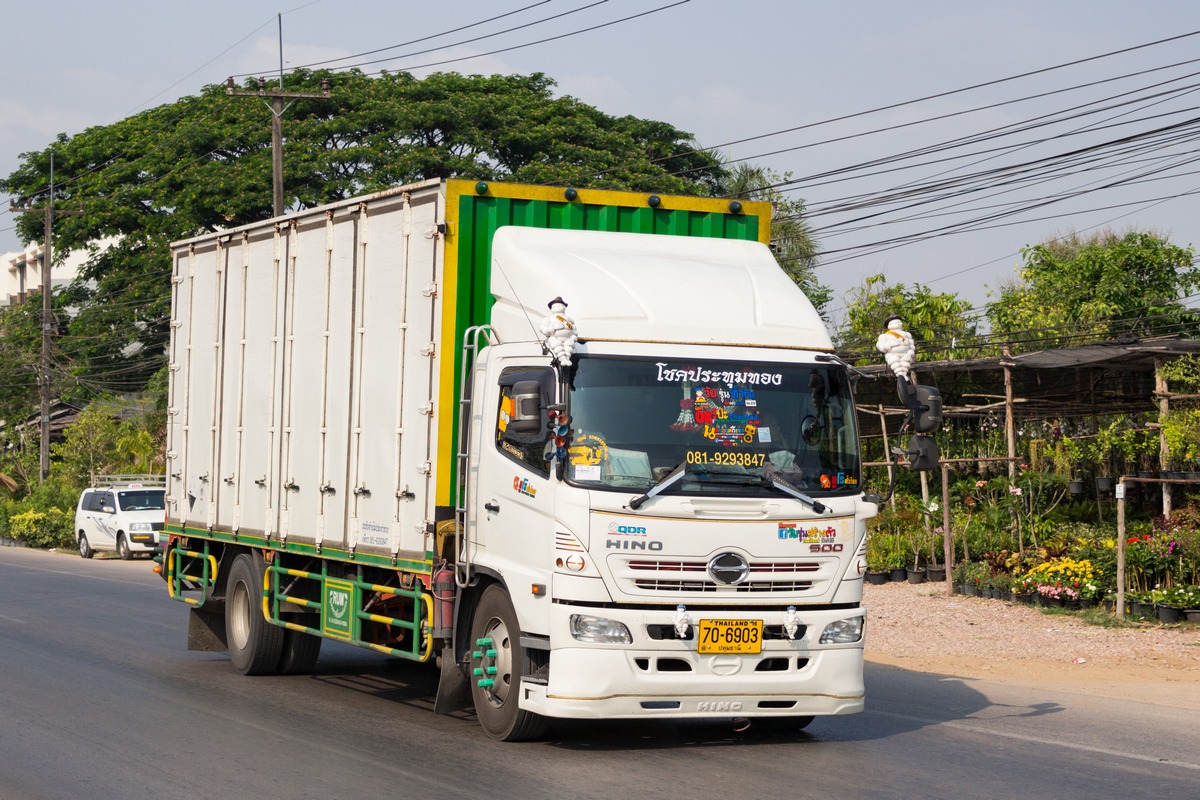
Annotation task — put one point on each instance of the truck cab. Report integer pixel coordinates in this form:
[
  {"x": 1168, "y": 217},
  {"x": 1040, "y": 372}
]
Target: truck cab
[{"x": 680, "y": 504}]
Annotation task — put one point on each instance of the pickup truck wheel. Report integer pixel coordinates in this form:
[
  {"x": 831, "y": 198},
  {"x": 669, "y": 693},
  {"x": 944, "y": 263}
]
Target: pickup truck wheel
[
  {"x": 85, "y": 549},
  {"x": 123, "y": 547},
  {"x": 254, "y": 644},
  {"x": 300, "y": 652},
  {"x": 497, "y": 653}
]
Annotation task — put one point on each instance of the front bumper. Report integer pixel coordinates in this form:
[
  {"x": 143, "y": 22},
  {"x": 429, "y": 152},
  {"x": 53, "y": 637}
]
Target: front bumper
[{"x": 667, "y": 678}]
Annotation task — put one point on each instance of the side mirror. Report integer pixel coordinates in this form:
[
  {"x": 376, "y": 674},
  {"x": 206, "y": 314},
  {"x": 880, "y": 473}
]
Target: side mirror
[
  {"x": 922, "y": 454},
  {"x": 527, "y": 408},
  {"x": 924, "y": 405}
]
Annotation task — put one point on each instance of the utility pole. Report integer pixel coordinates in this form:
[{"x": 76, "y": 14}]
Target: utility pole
[
  {"x": 277, "y": 108},
  {"x": 47, "y": 326}
]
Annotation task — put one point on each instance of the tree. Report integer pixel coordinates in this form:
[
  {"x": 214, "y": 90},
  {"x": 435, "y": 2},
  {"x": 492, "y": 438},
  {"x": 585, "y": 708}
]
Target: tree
[
  {"x": 1073, "y": 290},
  {"x": 204, "y": 163},
  {"x": 937, "y": 321},
  {"x": 791, "y": 237},
  {"x": 20, "y": 362},
  {"x": 88, "y": 449}
]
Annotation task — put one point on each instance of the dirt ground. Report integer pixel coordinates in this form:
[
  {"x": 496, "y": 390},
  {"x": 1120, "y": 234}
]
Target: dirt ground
[{"x": 918, "y": 627}]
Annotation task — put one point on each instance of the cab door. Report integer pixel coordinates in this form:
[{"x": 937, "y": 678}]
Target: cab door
[{"x": 511, "y": 496}]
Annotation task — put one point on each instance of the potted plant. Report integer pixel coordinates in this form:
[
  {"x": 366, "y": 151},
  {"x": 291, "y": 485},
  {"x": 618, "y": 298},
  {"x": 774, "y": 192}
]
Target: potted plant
[
  {"x": 961, "y": 574},
  {"x": 878, "y": 557}
]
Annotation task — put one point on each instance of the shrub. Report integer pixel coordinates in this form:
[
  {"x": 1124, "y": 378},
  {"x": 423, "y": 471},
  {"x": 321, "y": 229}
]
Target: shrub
[{"x": 52, "y": 528}]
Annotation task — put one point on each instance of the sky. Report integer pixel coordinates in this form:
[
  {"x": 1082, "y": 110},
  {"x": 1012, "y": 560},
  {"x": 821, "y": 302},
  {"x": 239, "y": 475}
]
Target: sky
[{"x": 930, "y": 141}]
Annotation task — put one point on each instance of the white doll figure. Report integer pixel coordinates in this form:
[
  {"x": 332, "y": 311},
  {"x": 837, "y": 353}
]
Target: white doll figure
[
  {"x": 559, "y": 329},
  {"x": 897, "y": 347}
]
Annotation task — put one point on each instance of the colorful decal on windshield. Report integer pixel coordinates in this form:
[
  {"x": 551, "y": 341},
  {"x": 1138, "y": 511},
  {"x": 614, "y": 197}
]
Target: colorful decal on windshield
[
  {"x": 728, "y": 377},
  {"x": 726, "y": 416},
  {"x": 588, "y": 450},
  {"x": 838, "y": 479}
]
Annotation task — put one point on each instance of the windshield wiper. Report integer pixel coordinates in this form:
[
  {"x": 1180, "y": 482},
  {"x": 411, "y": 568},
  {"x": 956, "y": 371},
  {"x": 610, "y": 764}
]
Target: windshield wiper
[
  {"x": 787, "y": 488},
  {"x": 736, "y": 478},
  {"x": 672, "y": 477}
]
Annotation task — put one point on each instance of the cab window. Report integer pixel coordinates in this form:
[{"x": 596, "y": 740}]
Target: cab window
[{"x": 521, "y": 433}]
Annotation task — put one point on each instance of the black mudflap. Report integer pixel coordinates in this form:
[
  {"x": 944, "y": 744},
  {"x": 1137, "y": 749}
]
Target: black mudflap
[
  {"x": 454, "y": 689},
  {"x": 206, "y": 628}
]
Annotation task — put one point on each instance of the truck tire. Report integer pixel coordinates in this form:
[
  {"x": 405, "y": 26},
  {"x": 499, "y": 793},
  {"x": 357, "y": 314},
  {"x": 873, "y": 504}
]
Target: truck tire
[
  {"x": 255, "y": 645},
  {"x": 497, "y": 705},
  {"x": 123, "y": 547},
  {"x": 300, "y": 652},
  {"x": 85, "y": 548}
]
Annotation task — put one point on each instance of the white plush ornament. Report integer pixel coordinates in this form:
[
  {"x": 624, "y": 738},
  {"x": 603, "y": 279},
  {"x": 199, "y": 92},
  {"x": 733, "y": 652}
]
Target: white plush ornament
[
  {"x": 897, "y": 347},
  {"x": 559, "y": 329}
]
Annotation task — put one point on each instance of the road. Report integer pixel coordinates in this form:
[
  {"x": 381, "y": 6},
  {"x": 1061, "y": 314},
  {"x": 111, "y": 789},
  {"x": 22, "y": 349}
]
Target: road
[{"x": 100, "y": 699}]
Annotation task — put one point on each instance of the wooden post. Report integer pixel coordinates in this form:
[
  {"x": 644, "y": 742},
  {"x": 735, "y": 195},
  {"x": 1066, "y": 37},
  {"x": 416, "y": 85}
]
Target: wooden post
[
  {"x": 924, "y": 517},
  {"x": 1121, "y": 547},
  {"x": 947, "y": 537},
  {"x": 887, "y": 455},
  {"x": 1164, "y": 452},
  {"x": 1010, "y": 433}
]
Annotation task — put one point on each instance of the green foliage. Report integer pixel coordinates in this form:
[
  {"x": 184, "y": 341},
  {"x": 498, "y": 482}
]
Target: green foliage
[
  {"x": 937, "y": 321},
  {"x": 1075, "y": 290},
  {"x": 893, "y": 534},
  {"x": 1183, "y": 374},
  {"x": 20, "y": 358},
  {"x": 204, "y": 162},
  {"x": 89, "y": 448},
  {"x": 51, "y": 528}
]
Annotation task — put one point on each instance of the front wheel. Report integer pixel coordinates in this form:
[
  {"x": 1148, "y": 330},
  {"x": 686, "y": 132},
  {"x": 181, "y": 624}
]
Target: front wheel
[
  {"x": 299, "y": 653},
  {"x": 502, "y": 662},
  {"x": 254, "y": 644},
  {"x": 123, "y": 547},
  {"x": 85, "y": 548}
]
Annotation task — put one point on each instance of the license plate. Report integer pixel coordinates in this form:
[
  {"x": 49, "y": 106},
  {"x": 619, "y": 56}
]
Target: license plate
[{"x": 738, "y": 636}]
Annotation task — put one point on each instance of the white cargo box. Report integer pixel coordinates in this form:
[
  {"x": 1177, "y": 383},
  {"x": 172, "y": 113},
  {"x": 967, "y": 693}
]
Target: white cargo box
[{"x": 289, "y": 345}]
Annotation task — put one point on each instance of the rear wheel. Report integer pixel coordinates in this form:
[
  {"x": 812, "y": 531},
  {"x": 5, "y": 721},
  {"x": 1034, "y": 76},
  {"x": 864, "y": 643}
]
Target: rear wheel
[
  {"x": 300, "y": 652},
  {"x": 85, "y": 549},
  {"x": 255, "y": 645},
  {"x": 497, "y": 652},
  {"x": 123, "y": 547}
]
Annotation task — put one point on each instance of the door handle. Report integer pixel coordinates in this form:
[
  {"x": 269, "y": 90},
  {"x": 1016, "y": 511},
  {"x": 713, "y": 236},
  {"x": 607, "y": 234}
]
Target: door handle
[{"x": 492, "y": 507}]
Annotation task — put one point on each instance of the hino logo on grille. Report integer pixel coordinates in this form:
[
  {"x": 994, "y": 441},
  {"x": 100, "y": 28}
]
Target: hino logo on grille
[{"x": 728, "y": 568}]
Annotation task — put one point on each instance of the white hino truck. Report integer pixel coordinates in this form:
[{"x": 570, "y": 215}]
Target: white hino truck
[{"x": 588, "y": 453}]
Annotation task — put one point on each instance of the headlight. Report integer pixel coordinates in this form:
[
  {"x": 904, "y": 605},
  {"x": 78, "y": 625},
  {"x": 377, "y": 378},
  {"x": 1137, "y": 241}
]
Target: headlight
[
  {"x": 597, "y": 630},
  {"x": 141, "y": 527},
  {"x": 844, "y": 631}
]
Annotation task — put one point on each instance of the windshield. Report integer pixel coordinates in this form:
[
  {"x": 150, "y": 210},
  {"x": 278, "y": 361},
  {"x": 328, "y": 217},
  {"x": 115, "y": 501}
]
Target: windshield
[
  {"x": 142, "y": 500},
  {"x": 731, "y": 423}
]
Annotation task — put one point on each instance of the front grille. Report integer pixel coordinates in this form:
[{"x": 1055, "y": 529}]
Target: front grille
[
  {"x": 691, "y": 576},
  {"x": 747, "y": 587},
  {"x": 756, "y": 567}
]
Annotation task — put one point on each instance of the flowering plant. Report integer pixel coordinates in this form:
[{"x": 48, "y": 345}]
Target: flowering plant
[
  {"x": 1180, "y": 597},
  {"x": 1058, "y": 592},
  {"x": 1064, "y": 578}
]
